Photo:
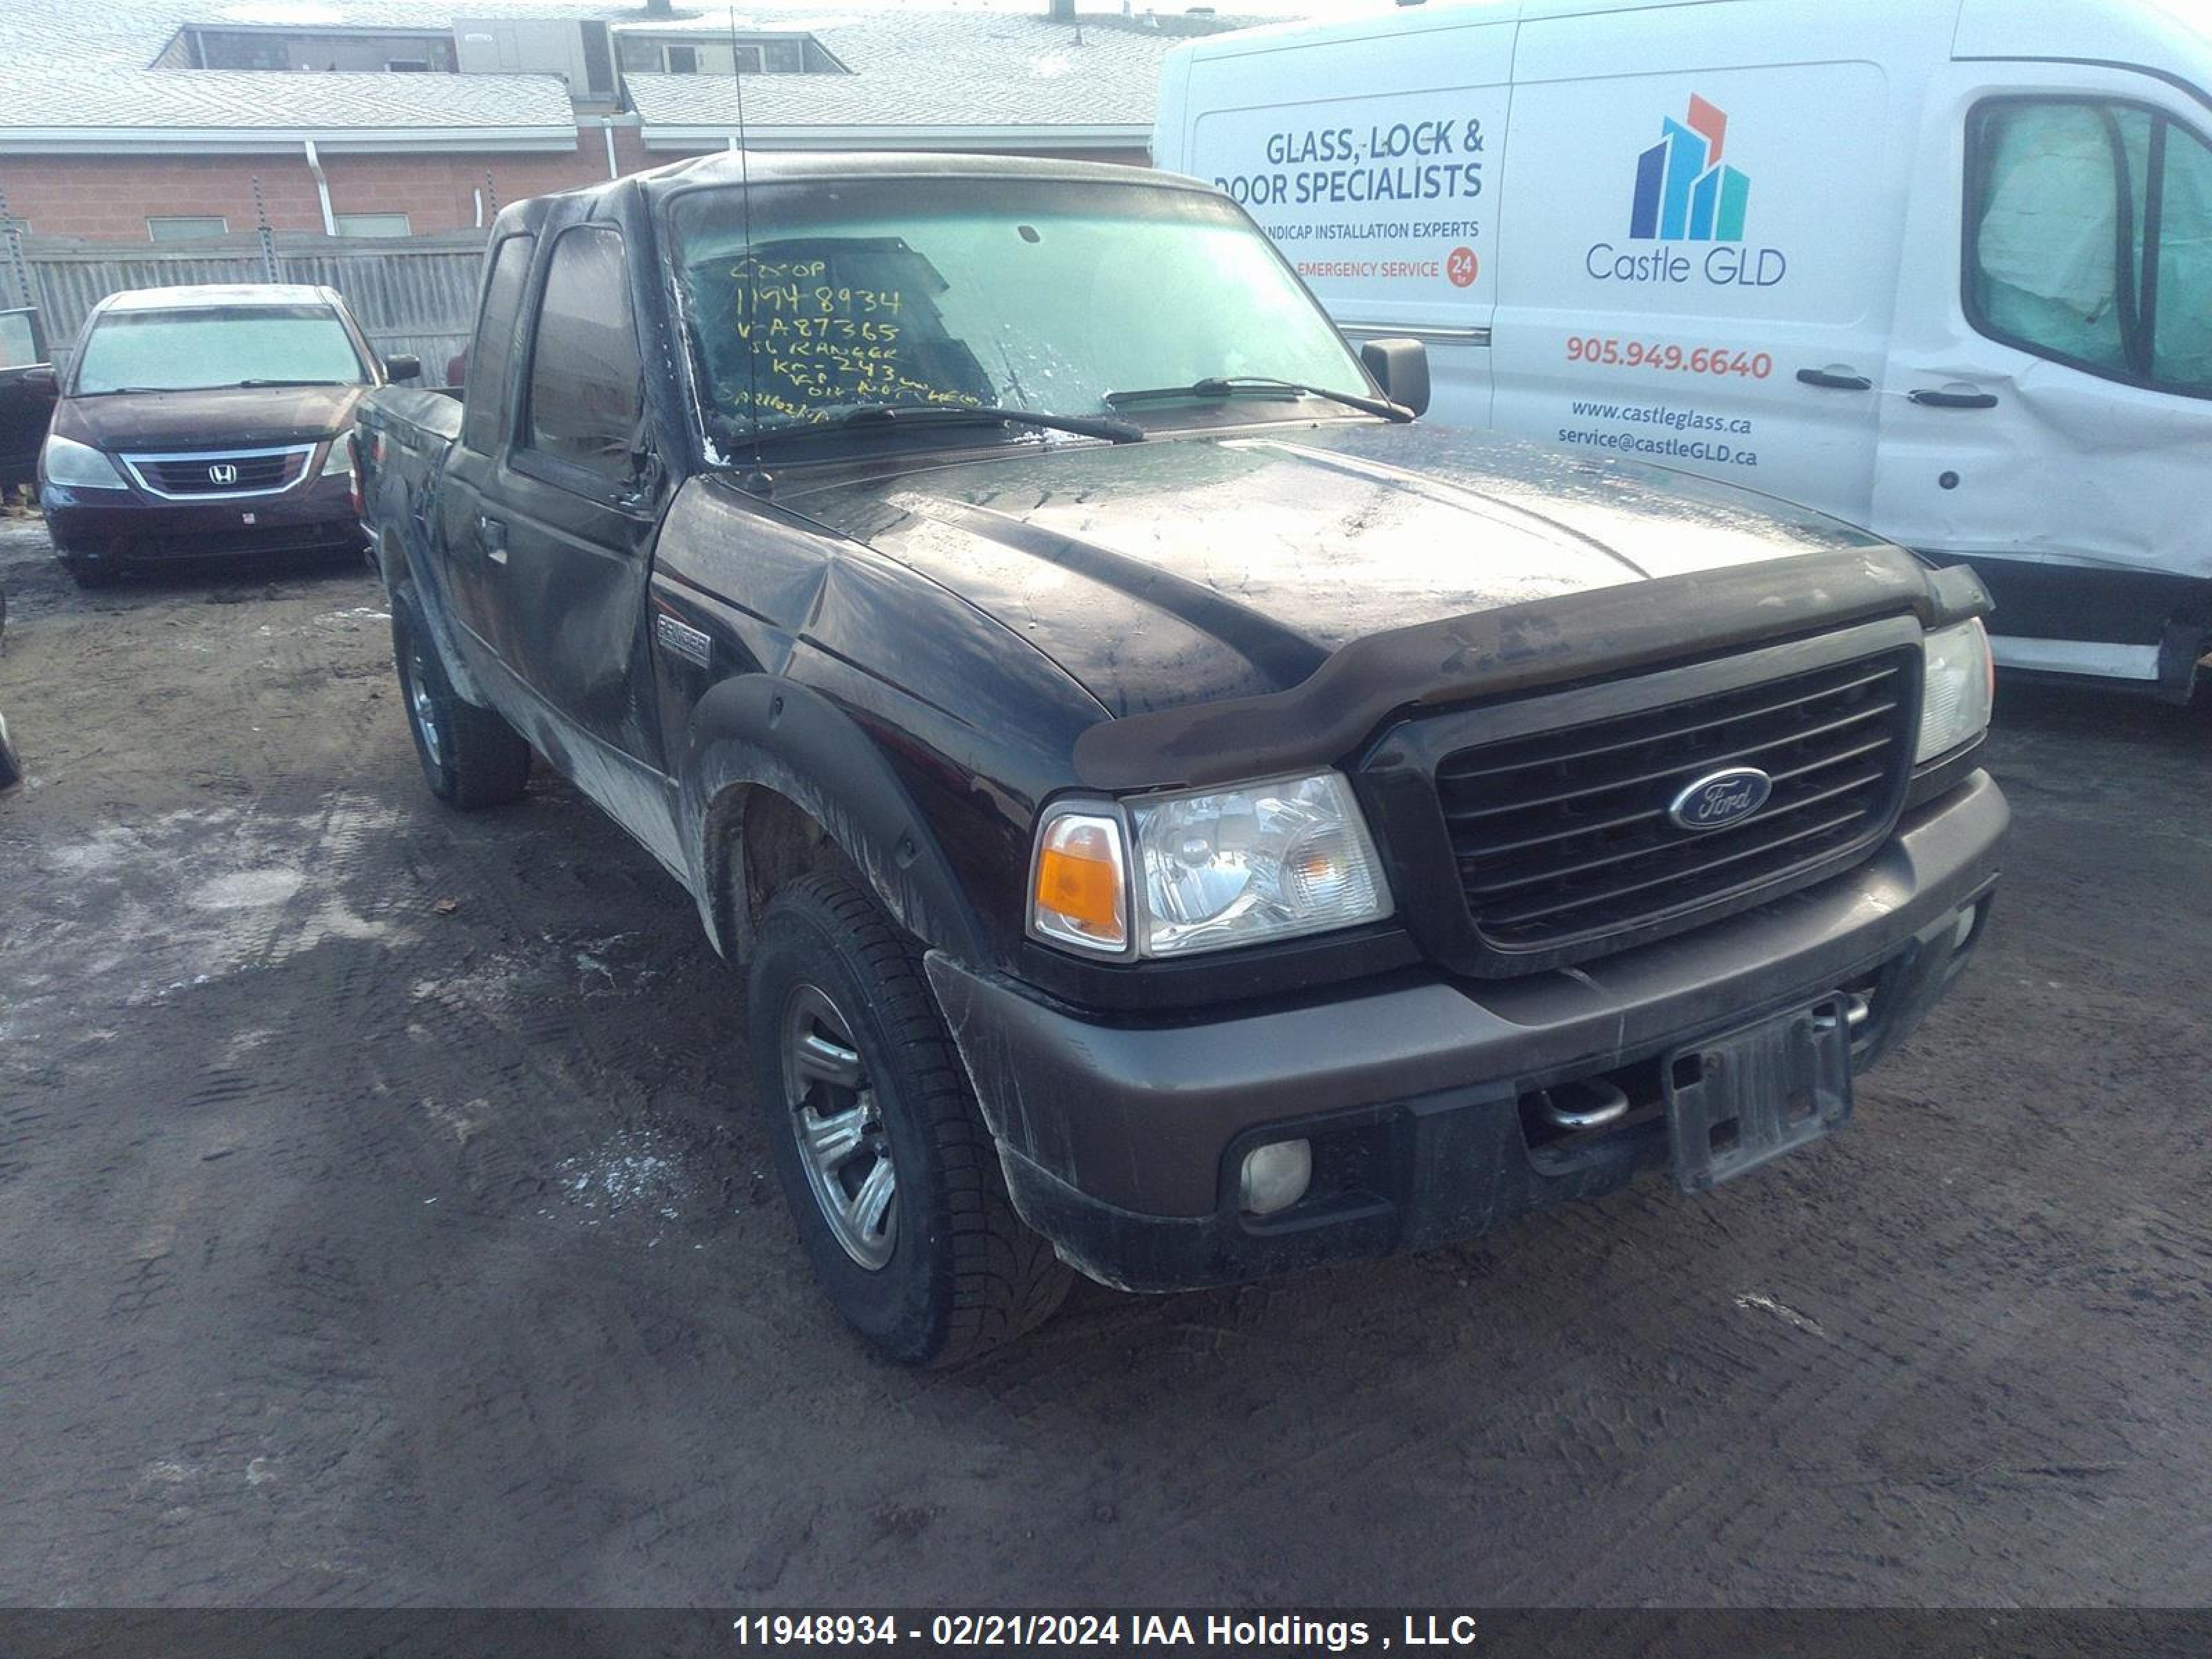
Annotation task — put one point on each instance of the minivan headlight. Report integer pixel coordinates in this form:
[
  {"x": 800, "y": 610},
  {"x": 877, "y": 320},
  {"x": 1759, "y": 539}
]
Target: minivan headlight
[
  {"x": 79, "y": 466},
  {"x": 339, "y": 461},
  {"x": 1958, "y": 684},
  {"x": 1206, "y": 869}
]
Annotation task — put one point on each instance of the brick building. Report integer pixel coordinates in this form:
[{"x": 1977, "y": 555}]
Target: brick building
[{"x": 139, "y": 120}]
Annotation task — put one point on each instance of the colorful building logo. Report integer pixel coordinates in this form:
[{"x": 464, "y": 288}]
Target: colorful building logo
[{"x": 1683, "y": 192}]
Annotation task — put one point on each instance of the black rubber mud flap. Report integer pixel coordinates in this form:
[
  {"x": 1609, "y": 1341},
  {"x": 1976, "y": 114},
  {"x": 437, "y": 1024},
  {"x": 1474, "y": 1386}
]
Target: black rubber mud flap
[{"x": 1736, "y": 1101}]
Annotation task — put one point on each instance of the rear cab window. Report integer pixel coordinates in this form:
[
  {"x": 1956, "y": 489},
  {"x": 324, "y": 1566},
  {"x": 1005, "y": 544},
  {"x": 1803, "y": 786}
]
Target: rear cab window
[
  {"x": 19, "y": 341},
  {"x": 491, "y": 351}
]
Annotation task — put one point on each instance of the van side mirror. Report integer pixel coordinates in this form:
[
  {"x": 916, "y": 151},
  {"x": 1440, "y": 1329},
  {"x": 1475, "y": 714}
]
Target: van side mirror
[
  {"x": 403, "y": 366},
  {"x": 1401, "y": 367}
]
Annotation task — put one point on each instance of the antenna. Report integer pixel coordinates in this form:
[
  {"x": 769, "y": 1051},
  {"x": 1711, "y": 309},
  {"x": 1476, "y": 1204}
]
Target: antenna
[{"x": 756, "y": 481}]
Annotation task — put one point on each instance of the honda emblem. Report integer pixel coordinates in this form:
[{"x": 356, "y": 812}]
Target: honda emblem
[{"x": 223, "y": 473}]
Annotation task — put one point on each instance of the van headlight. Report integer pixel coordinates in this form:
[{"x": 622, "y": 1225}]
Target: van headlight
[
  {"x": 1206, "y": 869},
  {"x": 339, "y": 462},
  {"x": 78, "y": 466},
  {"x": 1958, "y": 684}
]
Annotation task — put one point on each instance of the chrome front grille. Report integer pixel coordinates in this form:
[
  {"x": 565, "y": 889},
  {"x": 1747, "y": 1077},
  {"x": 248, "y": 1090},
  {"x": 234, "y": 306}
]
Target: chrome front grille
[
  {"x": 219, "y": 475},
  {"x": 1563, "y": 837}
]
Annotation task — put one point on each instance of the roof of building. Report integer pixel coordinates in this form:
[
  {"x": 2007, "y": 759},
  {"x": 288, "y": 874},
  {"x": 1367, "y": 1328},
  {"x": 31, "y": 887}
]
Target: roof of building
[
  {"x": 82, "y": 76},
  {"x": 958, "y": 70},
  {"x": 247, "y": 101}
]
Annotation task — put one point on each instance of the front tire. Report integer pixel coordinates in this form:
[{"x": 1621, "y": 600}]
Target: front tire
[
  {"x": 885, "y": 1160},
  {"x": 471, "y": 757}
]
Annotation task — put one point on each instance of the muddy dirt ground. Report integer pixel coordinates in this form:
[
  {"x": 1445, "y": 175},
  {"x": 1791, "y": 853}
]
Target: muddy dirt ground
[{"x": 382, "y": 1220}]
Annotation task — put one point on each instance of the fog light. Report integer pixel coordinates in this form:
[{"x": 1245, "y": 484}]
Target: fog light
[
  {"x": 1965, "y": 929},
  {"x": 1276, "y": 1175}
]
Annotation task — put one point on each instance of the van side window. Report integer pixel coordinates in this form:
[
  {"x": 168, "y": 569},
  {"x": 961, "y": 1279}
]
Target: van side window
[
  {"x": 491, "y": 351},
  {"x": 2181, "y": 309},
  {"x": 2089, "y": 238},
  {"x": 586, "y": 379}
]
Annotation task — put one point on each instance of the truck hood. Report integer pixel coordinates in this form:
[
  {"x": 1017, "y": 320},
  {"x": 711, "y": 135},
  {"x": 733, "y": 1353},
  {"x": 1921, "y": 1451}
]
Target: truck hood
[
  {"x": 1192, "y": 569},
  {"x": 229, "y": 417}
]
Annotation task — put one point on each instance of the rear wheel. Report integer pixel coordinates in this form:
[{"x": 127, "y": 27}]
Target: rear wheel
[
  {"x": 884, "y": 1158},
  {"x": 470, "y": 757}
]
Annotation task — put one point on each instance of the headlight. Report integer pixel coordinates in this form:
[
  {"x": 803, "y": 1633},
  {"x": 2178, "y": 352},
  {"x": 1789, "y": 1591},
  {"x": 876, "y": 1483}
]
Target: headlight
[
  {"x": 1207, "y": 870},
  {"x": 78, "y": 465},
  {"x": 1957, "y": 685},
  {"x": 339, "y": 461}
]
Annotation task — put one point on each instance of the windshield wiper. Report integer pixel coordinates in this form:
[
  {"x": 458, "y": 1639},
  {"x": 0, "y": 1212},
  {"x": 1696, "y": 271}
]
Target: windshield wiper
[
  {"x": 1251, "y": 385},
  {"x": 242, "y": 383},
  {"x": 1088, "y": 426}
]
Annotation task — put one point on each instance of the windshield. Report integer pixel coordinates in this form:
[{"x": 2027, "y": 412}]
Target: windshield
[
  {"x": 944, "y": 292},
  {"x": 190, "y": 350}
]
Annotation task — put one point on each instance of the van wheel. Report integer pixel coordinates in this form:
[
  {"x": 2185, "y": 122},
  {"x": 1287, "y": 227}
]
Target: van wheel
[
  {"x": 470, "y": 757},
  {"x": 885, "y": 1160}
]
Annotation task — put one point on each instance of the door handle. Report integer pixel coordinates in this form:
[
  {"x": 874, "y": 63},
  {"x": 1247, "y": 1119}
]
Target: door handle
[
  {"x": 1953, "y": 399},
  {"x": 1835, "y": 380},
  {"x": 492, "y": 532}
]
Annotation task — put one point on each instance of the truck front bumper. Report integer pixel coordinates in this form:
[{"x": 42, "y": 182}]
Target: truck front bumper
[{"x": 1123, "y": 1141}]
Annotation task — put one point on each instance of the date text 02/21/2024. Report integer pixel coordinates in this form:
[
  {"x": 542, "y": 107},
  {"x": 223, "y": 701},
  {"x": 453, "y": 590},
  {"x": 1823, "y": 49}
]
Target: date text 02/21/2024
[{"x": 958, "y": 1631}]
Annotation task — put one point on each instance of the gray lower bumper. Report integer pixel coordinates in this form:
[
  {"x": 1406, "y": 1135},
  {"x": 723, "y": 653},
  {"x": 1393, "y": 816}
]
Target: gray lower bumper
[{"x": 1137, "y": 1120}]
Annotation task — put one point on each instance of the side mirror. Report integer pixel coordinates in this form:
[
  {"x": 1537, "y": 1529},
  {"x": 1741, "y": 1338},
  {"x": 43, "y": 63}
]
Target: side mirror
[
  {"x": 41, "y": 379},
  {"x": 403, "y": 366},
  {"x": 1401, "y": 367}
]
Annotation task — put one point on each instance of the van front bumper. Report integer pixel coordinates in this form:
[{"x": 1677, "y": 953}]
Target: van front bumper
[
  {"x": 1123, "y": 1141},
  {"x": 125, "y": 527}
]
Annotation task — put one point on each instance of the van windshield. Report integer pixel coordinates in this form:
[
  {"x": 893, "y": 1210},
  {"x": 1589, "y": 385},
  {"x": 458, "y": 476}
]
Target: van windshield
[
  {"x": 203, "y": 347},
  {"x": 942, "y": 293}
]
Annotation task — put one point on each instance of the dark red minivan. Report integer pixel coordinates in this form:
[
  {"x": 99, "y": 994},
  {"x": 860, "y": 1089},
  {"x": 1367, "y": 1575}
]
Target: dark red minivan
[{"x": 207, "y": 422}]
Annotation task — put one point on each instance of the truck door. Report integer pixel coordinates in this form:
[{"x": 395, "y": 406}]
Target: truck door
[
  {"x": 2048, "y": 407},
  {"x": 1373, "y": 164},
  {"x": 473, "y": 554},
  {"x": 573, "y": 508},
  {"x": 1703, "y": 236}
]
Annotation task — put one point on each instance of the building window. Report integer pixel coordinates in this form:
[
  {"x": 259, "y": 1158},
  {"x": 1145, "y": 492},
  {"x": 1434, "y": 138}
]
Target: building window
[
  {"x": 178, "y": 228},
  {"x": 373, "y": 224},
  {"x": 710, "y": 57}
]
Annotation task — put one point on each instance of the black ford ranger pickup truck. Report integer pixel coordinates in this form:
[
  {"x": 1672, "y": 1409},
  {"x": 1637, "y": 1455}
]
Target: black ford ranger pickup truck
[{"x": 1180, "y": 819}]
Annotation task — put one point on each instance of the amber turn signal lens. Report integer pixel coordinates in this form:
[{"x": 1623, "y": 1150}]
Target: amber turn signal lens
[{"x": 1081, "y": 882}]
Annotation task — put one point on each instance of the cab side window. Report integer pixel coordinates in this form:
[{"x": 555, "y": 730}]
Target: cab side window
[
  {"x": 586, "y": 379},
  {"x": 492, "y": 351},
  {"x": 2089, "y": 238}
]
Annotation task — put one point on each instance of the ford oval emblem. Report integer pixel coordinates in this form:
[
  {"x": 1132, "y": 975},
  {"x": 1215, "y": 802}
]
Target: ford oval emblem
[{"x": 1720, "y": 799}]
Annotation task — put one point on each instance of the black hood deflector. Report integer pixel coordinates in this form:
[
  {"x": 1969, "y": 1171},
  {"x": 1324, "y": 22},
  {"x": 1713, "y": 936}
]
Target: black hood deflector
[{"x": 1513, "y": 650}]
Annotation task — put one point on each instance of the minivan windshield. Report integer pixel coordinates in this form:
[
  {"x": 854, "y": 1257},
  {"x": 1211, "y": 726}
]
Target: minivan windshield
[
  {"x": 1039, "y": 296},
  {"x": 195, "y": 349}
]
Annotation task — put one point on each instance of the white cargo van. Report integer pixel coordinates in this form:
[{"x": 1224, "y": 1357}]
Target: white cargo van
[{"x": 1943, "y": 268}]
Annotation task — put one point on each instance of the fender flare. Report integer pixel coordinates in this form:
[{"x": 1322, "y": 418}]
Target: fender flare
[{"x": 761, "y": 731}]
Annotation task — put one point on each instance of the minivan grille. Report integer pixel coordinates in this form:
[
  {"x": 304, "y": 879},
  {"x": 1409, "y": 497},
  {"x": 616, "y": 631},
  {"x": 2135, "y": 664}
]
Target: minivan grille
[
  {"x": 1563, "y": 837},
  {"x": 264, "y": 471}
]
